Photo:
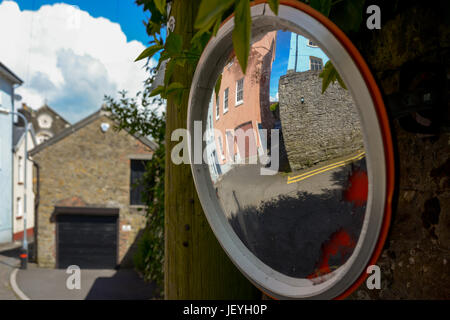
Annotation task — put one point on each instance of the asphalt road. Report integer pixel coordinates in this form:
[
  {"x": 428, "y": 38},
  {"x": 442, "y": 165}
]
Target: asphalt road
[{"x": 285, "y": 224}]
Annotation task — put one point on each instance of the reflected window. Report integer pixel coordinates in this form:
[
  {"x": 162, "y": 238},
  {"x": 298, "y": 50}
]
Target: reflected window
[
  {"x": 316, "y": 63},
  {"x": 240, "y": 91},
  {"x": 217, "y": 108},
  {"x": 225, "y": 100}
]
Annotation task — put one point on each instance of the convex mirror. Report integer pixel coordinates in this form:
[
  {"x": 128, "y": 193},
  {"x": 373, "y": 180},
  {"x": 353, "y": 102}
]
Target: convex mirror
[{"x": 295, "y": 182}]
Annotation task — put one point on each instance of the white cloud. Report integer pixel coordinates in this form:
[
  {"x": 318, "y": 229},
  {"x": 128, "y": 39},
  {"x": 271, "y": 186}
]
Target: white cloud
[
  {"x": 274, "y": 98},
  {"x": 68, "y": 57}
]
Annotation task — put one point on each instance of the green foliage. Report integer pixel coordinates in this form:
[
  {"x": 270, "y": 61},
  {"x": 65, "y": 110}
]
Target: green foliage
[
  {"x": 330, "y": 75},
  {"x": 217, "y": 87},
  {"x": 136, "y": 116},
  {"x": 347, "y": 14},
  {"x": 242, "y": 32},
  {"x": 323, "y": 6},
  {"x": 274, "y": 4},
  {"x": 274, "y": 106},
  {"x": 210, "y": 11},
  {"x": 149, "y": 52}
]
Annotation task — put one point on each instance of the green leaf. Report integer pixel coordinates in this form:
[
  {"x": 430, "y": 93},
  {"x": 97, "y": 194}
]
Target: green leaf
[
  {"x": 149, "y": 52},
  {"x": 217, "y": 87},
  {"x": 217, "y": 26},
  {"x": 330, "y": 75},
  {"x": 348, "y": 14},
  {"x": 274, "y": 106},
  {"x": 174, "y": 44},
  {"x": 161, "y": 6},
  {"x": 210, "y": 11},
  {"x": 159, "y": 90},
  {"x": 242, "y": 32},
  {"x": 200, "y": 38},
  {"x": 169, "y": 71},
  {"x": 323, "y": 6},
  {"x": 274, "y": 4},
  {"x": 174, "y": 86}
]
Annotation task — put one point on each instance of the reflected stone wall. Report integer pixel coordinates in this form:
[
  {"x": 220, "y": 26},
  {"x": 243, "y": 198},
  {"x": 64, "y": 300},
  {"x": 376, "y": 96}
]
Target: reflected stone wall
[{"x": 326, "y": 126}]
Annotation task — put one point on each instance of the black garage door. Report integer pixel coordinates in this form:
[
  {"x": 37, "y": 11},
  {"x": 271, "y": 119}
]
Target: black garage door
[{"x": 87, "y": 239}]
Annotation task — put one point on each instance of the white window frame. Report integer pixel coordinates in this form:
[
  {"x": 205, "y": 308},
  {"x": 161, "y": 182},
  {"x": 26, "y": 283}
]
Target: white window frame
[
  {"x": 217, "y": 107},
  {"x": 19, "y": 207},
  {"x": 239, "y": 102},
  {"x": 225, "y": 100},
  {"x": 311, "y": 58},
  {"x": 20, "y": 164}
]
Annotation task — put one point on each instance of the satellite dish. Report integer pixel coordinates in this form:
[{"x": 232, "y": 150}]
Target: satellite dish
[{"x": 104, "y": 126}]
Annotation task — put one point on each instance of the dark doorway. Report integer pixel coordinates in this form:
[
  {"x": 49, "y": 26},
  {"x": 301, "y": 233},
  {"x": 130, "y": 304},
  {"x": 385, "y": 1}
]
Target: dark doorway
[{"x": 87, "y": 237}]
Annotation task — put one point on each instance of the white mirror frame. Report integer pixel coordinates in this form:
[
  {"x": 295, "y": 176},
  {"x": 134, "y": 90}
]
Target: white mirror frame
[{"x": 301, "y": 19}]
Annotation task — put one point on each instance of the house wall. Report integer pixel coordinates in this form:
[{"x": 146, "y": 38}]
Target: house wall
[
  {"x": 88, "y": 168},
  {"x": 6, "y": 93},
  {"x": 19, "y": 192},
  {"x": 326, "y": 126},
  {"x": 256, "y": 102},
  {"x": 300, "y": 52}
]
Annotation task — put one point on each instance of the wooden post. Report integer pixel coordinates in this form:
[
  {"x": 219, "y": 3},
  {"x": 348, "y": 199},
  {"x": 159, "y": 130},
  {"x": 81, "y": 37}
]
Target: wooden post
[{"x": 196, "y": 267}]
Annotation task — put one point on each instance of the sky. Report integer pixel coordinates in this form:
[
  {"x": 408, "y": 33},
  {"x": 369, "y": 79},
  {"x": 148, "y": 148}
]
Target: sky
[
  {"x": 280, "y": 64},
  {"x": 71, "y": 54}
]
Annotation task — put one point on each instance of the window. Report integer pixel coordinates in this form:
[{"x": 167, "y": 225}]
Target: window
[
  {"x": 315, "y": 63},
  {"x": 312, "y": 43},
  {"x": 136, "y": 186},
  {"x": 217, "y": 108},
  {"x": 20, "y": 170},
  {"x": 19, "y": 208},
  {"x": 240, "y": 91},
  {"x": 225, "y": 101}
]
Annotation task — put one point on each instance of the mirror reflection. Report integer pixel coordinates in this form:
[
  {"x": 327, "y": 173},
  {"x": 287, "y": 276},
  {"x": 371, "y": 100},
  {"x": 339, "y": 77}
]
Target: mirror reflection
[{"x": 287, "y": 161}]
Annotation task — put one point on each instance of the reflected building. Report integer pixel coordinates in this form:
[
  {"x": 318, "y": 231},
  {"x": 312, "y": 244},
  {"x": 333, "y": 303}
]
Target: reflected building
[
  {"x": 242, "y": 102},
  {"x": 317, "y": 126},
  {"x": 291, "y": 222}
]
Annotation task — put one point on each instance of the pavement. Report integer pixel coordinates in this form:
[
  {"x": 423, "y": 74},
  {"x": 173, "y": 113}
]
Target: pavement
[
  {"x": 38, "y": 283},
  {"x": 8, "y": 262}
]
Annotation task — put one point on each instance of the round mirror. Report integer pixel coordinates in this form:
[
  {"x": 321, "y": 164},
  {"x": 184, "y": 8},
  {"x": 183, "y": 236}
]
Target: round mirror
[{"x": 295, "y": 181}]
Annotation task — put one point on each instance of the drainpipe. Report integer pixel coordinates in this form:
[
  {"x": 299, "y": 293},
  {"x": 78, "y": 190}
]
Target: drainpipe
[{"x": 36, "y": 206}]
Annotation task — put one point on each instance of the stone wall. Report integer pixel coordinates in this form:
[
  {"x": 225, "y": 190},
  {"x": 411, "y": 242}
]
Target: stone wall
[
  {"x": 326, "y": 126},
  {"x": 88, "y": 168}
]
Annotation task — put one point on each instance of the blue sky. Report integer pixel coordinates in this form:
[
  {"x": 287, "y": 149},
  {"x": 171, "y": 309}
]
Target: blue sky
[
  {"x": 125, "y": 12},
  {"x": 70, "y": 57},
  {"x": 72, "y": 53},
  {"x": 280, "y": 64}
]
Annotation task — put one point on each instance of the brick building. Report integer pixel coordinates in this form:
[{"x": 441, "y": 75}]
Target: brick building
[
  {"x": 243, "y": 102},
  {"x": 89, "y": 210}
]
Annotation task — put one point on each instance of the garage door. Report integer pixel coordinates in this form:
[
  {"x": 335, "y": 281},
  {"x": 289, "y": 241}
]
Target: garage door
[{"x": 87, "y": 240}]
